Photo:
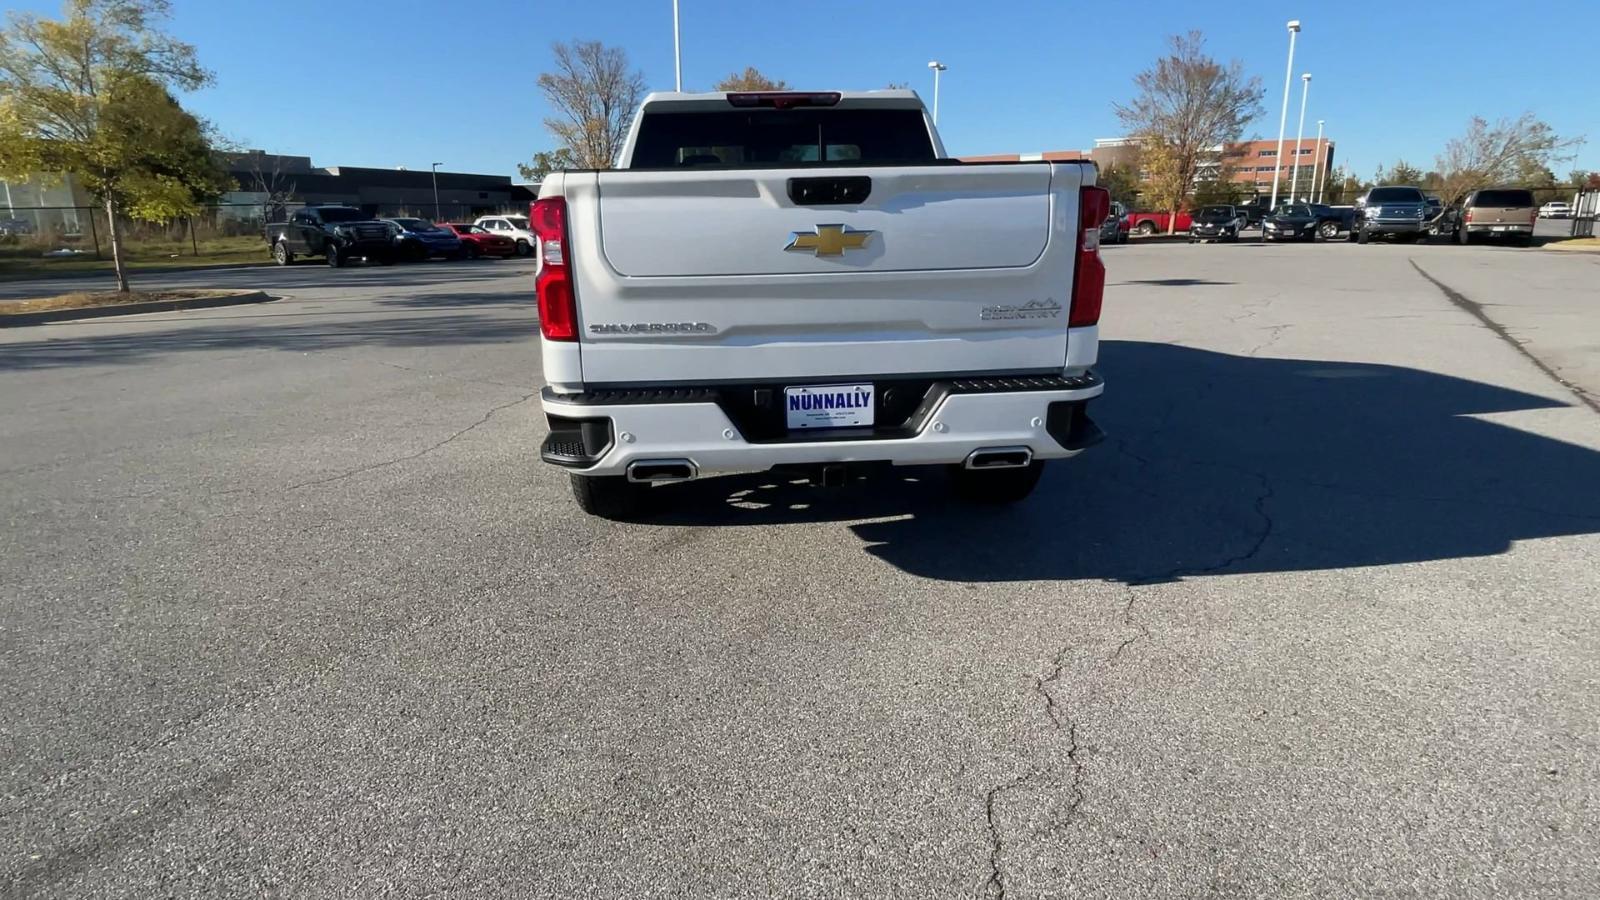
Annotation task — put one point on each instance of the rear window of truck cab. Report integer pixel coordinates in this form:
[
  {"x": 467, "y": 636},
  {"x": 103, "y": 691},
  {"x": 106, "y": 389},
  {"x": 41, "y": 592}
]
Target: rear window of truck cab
[
  {"x": 791, "y": 137},
  {"x": 1504, "y": 199}
]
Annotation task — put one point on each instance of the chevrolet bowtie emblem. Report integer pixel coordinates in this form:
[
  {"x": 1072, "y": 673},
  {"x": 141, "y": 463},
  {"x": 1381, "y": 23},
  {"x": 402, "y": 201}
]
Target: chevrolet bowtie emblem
[{"x": 828, "y": 240}]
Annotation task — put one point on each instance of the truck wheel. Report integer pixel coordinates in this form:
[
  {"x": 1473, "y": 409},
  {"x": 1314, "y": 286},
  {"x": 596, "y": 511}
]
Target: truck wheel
[
  {"x": 995, "y": 486},
  {"x": 1361, "y": 236},
  {"x": 1463, "y": 236},
  {"x": 1147, "y": 228},
  {"x": 608, "y": 496},
  {"x": 281, "y": 254},
  {"x": 1330, "y": 230},
  {"x": 335, "y": 258}
]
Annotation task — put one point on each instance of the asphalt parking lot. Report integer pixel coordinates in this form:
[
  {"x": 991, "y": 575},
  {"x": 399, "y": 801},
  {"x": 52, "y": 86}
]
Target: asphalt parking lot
[{"x": 291, "y": 608}]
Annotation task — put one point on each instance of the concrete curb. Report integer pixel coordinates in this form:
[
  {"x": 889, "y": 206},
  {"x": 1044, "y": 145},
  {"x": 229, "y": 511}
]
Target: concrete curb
[{"x": 95, "y": 312}]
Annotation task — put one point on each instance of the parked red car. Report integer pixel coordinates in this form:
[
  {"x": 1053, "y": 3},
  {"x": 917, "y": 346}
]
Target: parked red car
[
  {"x": 476, "y": 242},
  {"x": 1148, "y": 223}
]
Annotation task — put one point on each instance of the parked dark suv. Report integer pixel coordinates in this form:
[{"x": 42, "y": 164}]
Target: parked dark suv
[
  {"x": 1508, "y": 213},
  {"x": 1401, "y": 212},
  {"x": 335, "y": 233}
]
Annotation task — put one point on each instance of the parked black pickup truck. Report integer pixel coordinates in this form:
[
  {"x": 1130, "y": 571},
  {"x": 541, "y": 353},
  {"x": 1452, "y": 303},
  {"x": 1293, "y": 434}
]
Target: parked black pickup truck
[{"x": 336, "y": 233}]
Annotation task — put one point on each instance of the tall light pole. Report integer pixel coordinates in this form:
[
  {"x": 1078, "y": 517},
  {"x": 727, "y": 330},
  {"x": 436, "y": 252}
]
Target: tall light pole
[
  {"x": 436, "y": 191},
  {"x": 937, "y": 67},
  {"x": 1316, "y": 167},
  {"x": 1299, "y": 135},
  {"x": 1283, "y": 118},
  {"x": 677, "y": 51}
]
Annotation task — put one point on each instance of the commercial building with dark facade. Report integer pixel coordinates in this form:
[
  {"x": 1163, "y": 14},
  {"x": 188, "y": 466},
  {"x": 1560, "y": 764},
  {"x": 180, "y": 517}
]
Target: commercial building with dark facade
[{"x": 269, "y": 178}]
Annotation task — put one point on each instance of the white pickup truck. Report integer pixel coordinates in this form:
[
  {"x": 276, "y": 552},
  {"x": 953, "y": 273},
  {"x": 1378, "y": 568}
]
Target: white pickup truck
[{"x": 804, "y": 280}]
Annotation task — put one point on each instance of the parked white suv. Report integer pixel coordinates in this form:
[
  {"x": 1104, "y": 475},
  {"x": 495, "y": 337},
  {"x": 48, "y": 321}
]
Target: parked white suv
[
  {"x": 804, "y": 281},
  {"x": 511, "y": 226}
]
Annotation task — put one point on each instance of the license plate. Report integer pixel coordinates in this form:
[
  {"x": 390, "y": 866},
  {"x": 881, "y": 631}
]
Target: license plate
[
  {"x": 828, "y": 406},
  {"x": 1502, "y": 228}
]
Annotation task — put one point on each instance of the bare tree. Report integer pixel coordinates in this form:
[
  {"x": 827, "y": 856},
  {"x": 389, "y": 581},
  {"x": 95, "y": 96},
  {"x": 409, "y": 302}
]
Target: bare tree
[
  {"x": 1187, "y": 106},
  {"x": 750, "y": 79},
  {"x": 266, "y": 177},
  {"x": 1508, "y": 150},
  {"x": 595, "y": 93}
]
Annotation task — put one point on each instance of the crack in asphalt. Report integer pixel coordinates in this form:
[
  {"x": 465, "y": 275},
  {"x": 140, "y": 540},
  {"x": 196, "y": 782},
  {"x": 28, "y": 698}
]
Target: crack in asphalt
[
  {"x": 1475, "y": 309},
  {"x": 410, "y": 456},
  {"x": 996, "y": 885}
]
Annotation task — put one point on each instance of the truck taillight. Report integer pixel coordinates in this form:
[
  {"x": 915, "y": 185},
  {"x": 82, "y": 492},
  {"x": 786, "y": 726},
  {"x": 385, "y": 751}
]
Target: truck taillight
[
  {"x": 558, "y": 306},
  {"x": 1089, "y": 276},
  {"x": 1467, "y": 216}
]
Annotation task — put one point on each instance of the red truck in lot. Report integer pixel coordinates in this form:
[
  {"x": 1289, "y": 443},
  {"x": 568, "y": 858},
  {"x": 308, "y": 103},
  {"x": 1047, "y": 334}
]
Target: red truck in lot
[{"x": 1148, "y": 223}]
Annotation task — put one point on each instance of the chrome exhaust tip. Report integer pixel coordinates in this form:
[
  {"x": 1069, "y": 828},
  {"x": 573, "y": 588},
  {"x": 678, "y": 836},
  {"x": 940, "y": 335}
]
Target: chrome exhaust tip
[
  {"x": 661, "y": 471},
  {"x": 999, "y": 458}
]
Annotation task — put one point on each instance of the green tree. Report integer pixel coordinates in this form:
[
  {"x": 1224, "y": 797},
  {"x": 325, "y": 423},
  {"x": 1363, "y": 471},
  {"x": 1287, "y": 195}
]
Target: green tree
[
  {"x": 750, "y": 79},
  {"x": 1401, "y": 172},
  {"x": 89, "y": 95},
  {"x": 1218, "y": 192},
  {"x": 1343, "y": 187},
  {"x": 1186, "y": 104},
  {"x": 594, "y": 92},
  {"x": 1123, "y": 183},
  {"x": 545, "y": 162}
]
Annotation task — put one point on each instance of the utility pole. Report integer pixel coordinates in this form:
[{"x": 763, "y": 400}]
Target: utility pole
[
  {"x": 436, "y": 191},
  {"x": 1299, "y": 135},
  {"x": 677, "y": 51},
  {"x": 1317, "y": 165},
  {"x": 937, "y": 67},
  {"x": 1283, "y": 118}
]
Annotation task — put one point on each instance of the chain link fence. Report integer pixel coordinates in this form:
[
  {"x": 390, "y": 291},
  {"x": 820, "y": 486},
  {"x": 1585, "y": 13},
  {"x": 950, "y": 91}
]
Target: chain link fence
[{"x": 218, "y": 230}]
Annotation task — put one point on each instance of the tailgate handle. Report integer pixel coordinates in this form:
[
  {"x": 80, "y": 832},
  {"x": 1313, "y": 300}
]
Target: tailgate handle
[{"x": 836, "y": 191}]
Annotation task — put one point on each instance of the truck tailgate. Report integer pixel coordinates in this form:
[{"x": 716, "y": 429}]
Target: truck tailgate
[{"x": 941, "y": 269}]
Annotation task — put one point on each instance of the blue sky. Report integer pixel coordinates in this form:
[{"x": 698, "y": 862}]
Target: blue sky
[{"x": 409, "y": 82}]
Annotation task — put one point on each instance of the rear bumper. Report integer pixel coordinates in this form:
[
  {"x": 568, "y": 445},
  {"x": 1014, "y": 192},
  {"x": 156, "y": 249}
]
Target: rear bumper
[
  {"x": 604, "y": 438},
  {"x": 1499, "y": 228}
]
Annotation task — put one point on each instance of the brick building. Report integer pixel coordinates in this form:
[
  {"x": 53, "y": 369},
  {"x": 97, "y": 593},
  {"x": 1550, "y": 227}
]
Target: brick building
[
  {"x": 1252, "y": 163},
  {"x": 1248, "y": 163}
]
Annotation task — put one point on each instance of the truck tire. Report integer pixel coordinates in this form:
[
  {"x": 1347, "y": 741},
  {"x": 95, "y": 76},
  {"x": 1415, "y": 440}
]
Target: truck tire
[
  {"x": 608, "y": 496},
  {"x": 281, "y": 254},
  {"x": 995, "y": 486},
  {"x": 1147, "y": 228},
  {"x": 1463, "y": 236},
  {"x": 1361, "y": 236},
  {"x": 1329, "y": 230}
]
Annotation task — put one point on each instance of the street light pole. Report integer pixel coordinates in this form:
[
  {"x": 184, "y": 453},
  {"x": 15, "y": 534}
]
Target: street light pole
[
  {"x": 436, "y": 191},
  {"x": 1299, "y": 135},
  {"x": 1316, "y": 167},
  {"x": 1283, "y": 118},
  {"x": 937, "y": 67},
  {"x": 677, "y": 51}
]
